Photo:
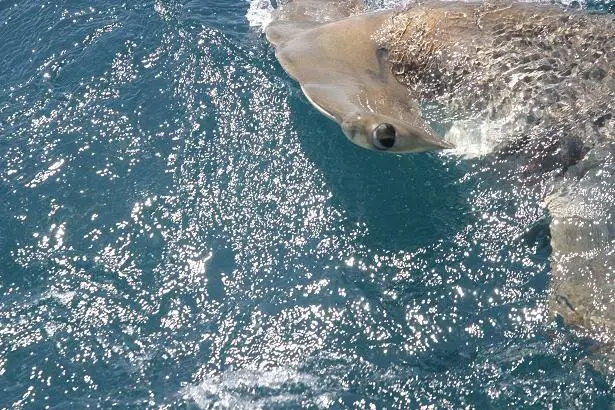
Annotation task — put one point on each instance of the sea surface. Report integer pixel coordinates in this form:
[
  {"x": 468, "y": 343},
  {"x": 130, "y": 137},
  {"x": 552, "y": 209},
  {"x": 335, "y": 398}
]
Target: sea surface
[{"x": 179, "y": 228}]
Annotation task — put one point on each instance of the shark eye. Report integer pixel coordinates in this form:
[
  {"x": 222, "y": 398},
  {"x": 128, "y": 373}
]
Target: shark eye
[{"x": 384, "y": 136}]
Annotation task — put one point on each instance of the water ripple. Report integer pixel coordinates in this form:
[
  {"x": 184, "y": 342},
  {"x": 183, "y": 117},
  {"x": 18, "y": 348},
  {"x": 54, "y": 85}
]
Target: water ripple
[{"x": 180, "y": 228}]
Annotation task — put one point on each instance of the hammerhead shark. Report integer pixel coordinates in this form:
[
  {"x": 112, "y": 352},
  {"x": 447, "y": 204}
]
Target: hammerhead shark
[{"x": 368, "y": 71}]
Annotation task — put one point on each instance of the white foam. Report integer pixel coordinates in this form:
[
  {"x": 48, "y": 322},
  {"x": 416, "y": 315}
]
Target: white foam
[
  {"x": 385, "y": 4},
  {"x": 64, "y": 298},
  {"x": 471, "y": 138},
  {"x": 232, "y": 389},
  {"x": 260, "y": 13}
]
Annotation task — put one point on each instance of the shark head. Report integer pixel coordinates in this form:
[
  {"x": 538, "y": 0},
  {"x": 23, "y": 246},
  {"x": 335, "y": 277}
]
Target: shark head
[{"x": 378, "y": 132}]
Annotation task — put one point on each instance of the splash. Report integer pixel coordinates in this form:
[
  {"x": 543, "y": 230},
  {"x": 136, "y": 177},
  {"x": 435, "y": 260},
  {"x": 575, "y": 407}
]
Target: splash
[{"x": 260, "y": 13}]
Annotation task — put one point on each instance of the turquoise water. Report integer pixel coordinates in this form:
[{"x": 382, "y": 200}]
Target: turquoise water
[{"x": 181, "y": 228}]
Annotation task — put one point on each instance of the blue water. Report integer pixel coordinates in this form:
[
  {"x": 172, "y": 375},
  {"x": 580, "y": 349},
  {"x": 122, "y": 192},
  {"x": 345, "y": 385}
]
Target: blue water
[{"x": 181, "y": 228}]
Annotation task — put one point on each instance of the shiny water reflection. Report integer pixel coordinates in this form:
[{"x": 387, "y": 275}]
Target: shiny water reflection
[{"x": 180, "y": 227}]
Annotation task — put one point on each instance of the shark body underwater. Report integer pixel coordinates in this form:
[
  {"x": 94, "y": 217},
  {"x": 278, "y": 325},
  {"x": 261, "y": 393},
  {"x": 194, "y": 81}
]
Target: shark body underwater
[{"x": 545, "y": 75}]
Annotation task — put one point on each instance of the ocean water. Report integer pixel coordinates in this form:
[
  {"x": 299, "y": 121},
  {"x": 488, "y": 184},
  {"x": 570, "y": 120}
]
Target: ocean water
[{"x": 180, "y": 228}]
